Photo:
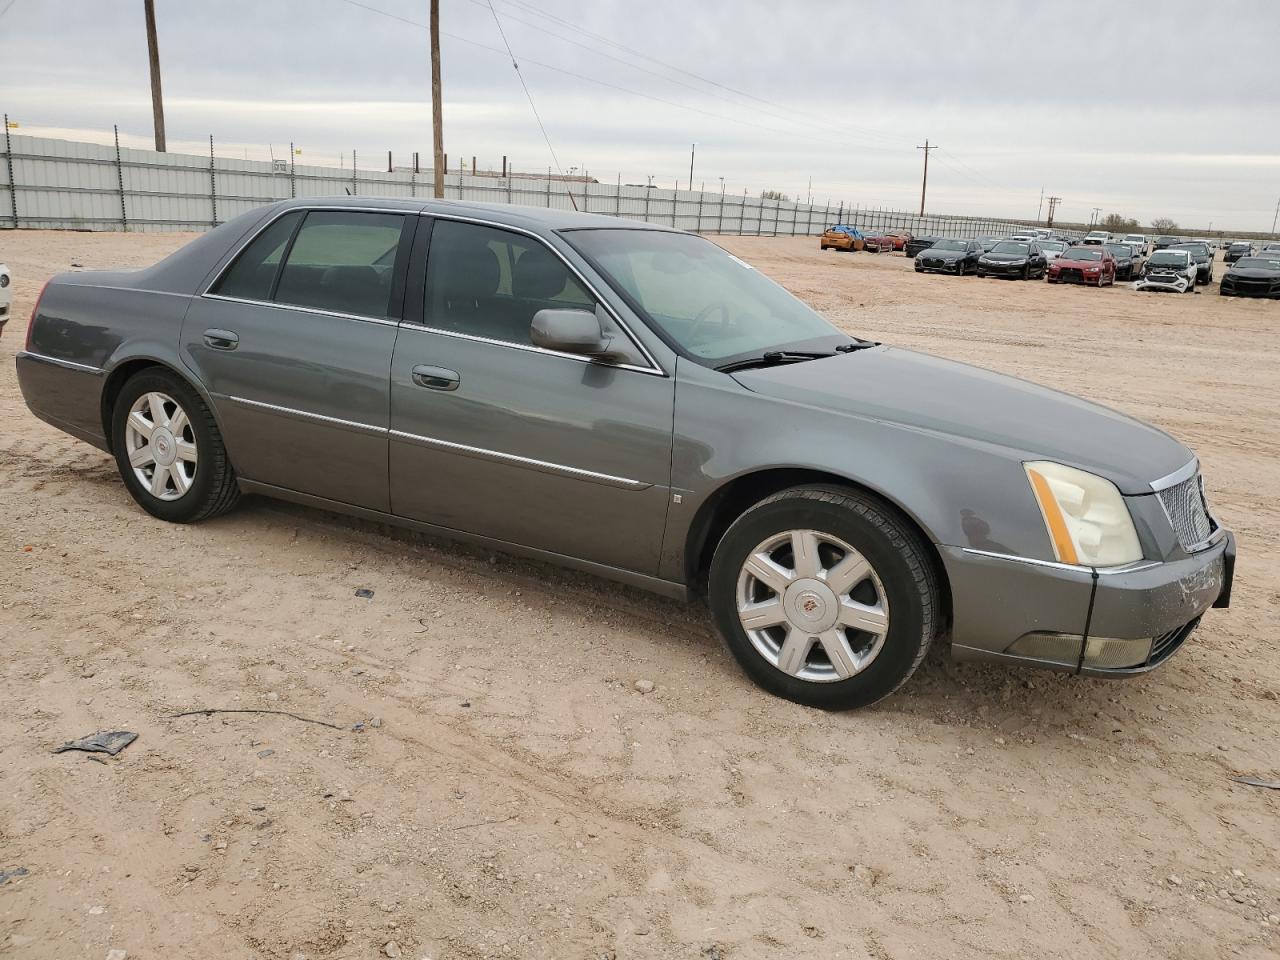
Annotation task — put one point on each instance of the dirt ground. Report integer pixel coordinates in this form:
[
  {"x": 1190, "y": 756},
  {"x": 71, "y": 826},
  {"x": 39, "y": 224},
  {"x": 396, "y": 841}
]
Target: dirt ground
[{"x": 517, "y": 797}]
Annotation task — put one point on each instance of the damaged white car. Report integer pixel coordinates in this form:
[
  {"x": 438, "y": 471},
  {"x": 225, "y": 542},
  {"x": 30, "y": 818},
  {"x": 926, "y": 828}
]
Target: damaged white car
[{"x": 1172, "y": 270}]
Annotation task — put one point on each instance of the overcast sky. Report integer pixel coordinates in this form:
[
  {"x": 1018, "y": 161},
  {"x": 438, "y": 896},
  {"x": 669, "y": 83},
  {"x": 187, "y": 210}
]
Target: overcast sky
[{"x": 1149, "y": 110}]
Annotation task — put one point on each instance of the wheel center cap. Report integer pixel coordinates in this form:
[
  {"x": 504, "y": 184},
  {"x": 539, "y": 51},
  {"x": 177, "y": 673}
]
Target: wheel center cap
[
  {"x": 164, "y": 447},
  {"x": 811, "y": 605}
]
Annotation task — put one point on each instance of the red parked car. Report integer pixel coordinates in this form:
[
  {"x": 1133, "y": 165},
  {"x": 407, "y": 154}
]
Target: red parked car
[
  {"x": 877, "y": 242},
  {"x": 1088, "y": 265}
]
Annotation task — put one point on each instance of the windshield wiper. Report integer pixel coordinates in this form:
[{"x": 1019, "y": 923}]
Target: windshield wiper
[
  {"x": 853, "y": 347},
  {"x": 771, "y": 358}
]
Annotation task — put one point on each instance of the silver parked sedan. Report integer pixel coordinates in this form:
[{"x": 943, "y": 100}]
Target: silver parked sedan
[{"x": 636, "y": 402}]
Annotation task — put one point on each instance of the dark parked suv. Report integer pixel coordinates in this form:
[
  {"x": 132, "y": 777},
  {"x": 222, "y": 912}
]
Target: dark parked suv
[
  {"x": 1237, "y": 250},
  {"x": 1203, "y": 257}
]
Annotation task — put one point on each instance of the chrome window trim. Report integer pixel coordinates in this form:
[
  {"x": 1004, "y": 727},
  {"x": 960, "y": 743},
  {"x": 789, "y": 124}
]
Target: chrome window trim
[
  {"x": 304, "y": 414},
  {"x": 576, "y": 473},
  {"x": 1058, "y": 565},
  {"x": 531, "y": 348},
  {"x": 69, "y": 364},
  {"x": 1185, "y": 472},
  {"x": 386, "y": 321},
  {"x": 654, "y": 368}
]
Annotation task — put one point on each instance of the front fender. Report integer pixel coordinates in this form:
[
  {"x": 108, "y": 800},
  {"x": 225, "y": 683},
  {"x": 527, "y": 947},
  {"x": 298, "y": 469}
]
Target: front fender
[{"x": 961, "y": 493}]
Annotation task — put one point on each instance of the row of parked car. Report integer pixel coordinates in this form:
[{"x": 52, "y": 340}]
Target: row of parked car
[{"x": 1163, "y": 263}]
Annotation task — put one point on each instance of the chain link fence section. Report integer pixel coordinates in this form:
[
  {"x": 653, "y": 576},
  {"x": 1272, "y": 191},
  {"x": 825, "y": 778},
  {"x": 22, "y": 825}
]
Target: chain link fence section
[{"x": 53, "y": 184}]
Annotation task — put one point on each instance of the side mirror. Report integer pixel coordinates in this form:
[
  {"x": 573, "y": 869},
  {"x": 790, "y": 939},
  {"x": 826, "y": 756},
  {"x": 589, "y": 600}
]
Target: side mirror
[{"x": 570, "y": 331}]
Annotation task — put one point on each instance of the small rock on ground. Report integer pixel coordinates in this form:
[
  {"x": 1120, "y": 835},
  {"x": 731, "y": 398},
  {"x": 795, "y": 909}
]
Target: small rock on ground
[{"x": 644, "y": 686}]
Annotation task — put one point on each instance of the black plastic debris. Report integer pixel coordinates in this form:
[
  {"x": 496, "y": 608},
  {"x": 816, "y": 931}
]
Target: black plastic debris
[
  {"x": 104, "y": 741},
  {"x": 364, "y": 593},
  {"x": 12, "y": 873},
  {"x": 1258, "y": 782},
  {"x": 263, "y": 754}
]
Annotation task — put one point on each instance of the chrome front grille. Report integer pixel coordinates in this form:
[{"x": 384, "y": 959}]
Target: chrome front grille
[{"x": 1184, "y": 503}]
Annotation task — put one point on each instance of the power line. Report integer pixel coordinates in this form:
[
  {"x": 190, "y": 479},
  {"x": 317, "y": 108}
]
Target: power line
[{"x": 525, "y": 87}]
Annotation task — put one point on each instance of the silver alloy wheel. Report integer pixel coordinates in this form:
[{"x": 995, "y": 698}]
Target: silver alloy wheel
[
  {"x": 161, "y": 446},
  {"x": 812, "y": 606}
]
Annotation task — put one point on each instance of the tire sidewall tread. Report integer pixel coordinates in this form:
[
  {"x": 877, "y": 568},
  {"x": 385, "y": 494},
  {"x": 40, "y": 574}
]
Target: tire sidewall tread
[
  {"x": 215, "y": 490},
  {"x": 900, "y": 556}
]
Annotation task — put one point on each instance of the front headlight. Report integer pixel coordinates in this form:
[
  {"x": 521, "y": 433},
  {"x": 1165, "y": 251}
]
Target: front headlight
[{"x": 1087, "y": 520}]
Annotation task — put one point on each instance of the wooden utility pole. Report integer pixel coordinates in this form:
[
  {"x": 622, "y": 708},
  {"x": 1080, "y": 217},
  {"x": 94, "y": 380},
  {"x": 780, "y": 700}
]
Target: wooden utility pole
[
  {"x": 153, "y": 54},
  {"x": 1053, "y": 205},
  {"x": 924, "y": 184},
  {"x": 437, "y": 121}
]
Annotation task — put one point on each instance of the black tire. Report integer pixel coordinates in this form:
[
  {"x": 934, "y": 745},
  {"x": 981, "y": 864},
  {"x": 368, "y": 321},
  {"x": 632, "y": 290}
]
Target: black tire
[
  {"x": 895, "y": 550},
  {"x": 213, "y": 489}
]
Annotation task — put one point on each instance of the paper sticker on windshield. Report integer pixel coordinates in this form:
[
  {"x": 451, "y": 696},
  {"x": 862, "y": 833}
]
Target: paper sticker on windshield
[{"x": 741, "y": 262}]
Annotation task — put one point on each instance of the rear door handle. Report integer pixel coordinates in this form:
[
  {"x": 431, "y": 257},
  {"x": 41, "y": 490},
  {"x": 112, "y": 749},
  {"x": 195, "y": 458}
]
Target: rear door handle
[
  {"x": 435, "y": 378},
  {"x": 221, "y": 339}
]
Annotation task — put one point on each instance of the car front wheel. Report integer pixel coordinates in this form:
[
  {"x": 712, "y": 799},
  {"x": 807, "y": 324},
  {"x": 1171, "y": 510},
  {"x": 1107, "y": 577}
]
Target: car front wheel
[
  {"x": 825, "y": 596},
  {"x": 169, "y": 450}
]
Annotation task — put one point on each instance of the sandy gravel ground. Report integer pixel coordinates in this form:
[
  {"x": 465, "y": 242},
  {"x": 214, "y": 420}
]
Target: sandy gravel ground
[{"x": 517, "y": 797}]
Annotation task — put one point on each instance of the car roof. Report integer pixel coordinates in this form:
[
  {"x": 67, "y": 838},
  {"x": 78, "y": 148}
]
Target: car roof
[{"x": 548, "y": 218}]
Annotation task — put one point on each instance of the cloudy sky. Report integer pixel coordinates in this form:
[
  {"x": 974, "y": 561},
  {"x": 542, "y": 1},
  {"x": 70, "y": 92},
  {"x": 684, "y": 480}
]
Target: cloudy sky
[{"x": 1149, "y": 110}]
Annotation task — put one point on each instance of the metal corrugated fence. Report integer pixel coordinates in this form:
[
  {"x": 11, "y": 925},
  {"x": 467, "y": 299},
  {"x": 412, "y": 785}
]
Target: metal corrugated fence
[{"x": 66, "y": 185}]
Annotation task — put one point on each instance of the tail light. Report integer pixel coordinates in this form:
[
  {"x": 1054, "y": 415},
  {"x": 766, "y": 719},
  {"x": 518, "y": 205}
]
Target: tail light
[{"x": 31, "y": 324}]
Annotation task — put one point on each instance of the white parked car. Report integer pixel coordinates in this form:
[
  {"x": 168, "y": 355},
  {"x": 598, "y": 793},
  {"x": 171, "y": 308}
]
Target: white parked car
[
  {"x": 1172, "y": 270},
  {"x": 1096, "y": 238},
  {"x": 6, "y": 295},
  {"x": 1052, "y": 249},
  {"x": 1141, "y": 241}
]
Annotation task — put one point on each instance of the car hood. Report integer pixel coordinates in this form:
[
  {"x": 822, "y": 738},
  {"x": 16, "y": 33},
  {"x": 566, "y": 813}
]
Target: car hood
[
  {"x": 943, "y": 254},
  {"x": 1066, "y": 261},
  {"x": 1005, "y": 257},
  {"x": 920, "y": 392},
  {"x": 1253, "y": 273}
]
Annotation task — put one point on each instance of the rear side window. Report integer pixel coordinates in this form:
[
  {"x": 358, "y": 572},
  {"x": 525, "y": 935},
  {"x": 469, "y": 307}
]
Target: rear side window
[
  {"x": 342, "y": 262},
  {"x": 254, "y": 272},
  {"x": 489, "y": 283}
]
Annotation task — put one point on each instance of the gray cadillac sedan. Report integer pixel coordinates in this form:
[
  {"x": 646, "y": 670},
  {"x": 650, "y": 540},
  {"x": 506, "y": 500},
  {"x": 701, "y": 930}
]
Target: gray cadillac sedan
[{"x": 636, "y": 402}]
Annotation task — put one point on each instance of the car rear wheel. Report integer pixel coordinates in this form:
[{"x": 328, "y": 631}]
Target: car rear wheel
[
  {"x": 169, "y": 450},
  {"x": 825, "y": 596}
]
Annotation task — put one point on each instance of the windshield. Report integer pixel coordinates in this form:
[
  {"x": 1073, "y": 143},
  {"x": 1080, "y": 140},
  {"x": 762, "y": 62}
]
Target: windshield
[
  {"x": 1135, "y": 238},
  {"x": 1258, "y": 263},
  {"x": 1083, "y": 253},
  {"x": 1198, "y": 248},
  {"x": 950, "y": 245},
  {"x": 1168, "y": 258},
  {"x": 1057, "y": 246},
  {"x": 1119, "y": 249},
  {"x": 1240, "y": 246},
  {"x": 1010, "y": 247},
  {"x": 713, "y": 305}
]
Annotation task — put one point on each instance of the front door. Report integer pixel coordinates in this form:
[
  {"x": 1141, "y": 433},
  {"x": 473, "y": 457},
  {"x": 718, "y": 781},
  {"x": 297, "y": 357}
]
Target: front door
[
  {"x": 494, "y": 436},
  {"x": 293, "y": 344}
]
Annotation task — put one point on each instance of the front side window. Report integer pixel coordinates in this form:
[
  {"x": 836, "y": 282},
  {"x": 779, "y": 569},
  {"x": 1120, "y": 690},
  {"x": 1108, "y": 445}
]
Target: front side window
[
  {"x": 253, "y": 274},
  {"x": 342, "y": 262},
  {"x": 710, "y": 303},
  {"x": 489, "y": 283}
]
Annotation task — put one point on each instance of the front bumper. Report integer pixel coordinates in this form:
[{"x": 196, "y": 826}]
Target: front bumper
[
  {"x": 1073, "y": 620},
  {"x": 943, "y": 266},
  {"x": 1245, "y": 288},
  {"x": 1174, "y": 285},
  {"x": 1015, "y": 270}
]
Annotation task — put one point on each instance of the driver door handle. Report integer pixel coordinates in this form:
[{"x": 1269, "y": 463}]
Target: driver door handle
[{"x": 435, "y": 378}]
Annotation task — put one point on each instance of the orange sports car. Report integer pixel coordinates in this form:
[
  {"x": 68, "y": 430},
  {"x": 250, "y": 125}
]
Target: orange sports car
[{"x": 840, "y": 237}]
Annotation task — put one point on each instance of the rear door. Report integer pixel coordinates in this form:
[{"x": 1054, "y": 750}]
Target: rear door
[
  {"x": 494, "y": 436},
  {"x": 293, "y": 343}
]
